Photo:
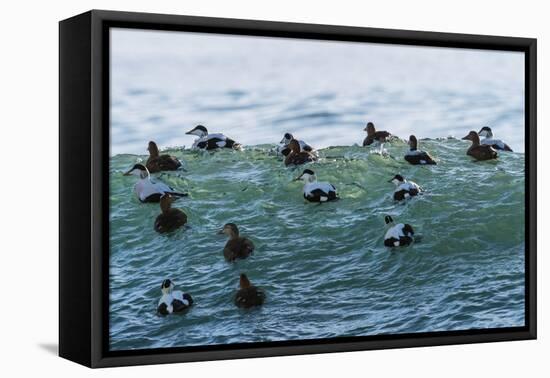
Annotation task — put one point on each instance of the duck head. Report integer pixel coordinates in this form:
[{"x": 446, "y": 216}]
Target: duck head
[
  {"x": 199, "y": 131},
  {"x": 486, "y": 132},
  {"x": 286, "y": 139},
  {"x": 472, "y": 135},
  {"x": 167, "y": 286},
  {"x": 166, "y": 202},
  {"x": 244, "y": 282},
  {"x": 230, "y": 229},
  {"x": 370, "y": 128},
  {"x": 153, "y": 149},
  {"x": 307, "y": 176},
  {"x": 138, "y": 170},
  {"x": 397, "y": 180},
  {"x": 294, "y": 146},
  {"x": 413, "y": 143}
]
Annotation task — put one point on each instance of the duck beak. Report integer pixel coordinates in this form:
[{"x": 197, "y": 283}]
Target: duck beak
[
  {"x": 220, "y": 232},
  {"x": 189, "y": 132},
  {"x": 467, "y": 137},
  {"x": 127, "y": 173},
  {"x": 298, "y": 178}
]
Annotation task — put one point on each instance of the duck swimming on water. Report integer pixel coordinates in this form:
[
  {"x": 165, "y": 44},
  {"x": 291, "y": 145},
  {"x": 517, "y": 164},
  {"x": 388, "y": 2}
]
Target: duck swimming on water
[
  {"x": 489, "y": 140},
  {"x": 284, "y": 150},
  {"x": 169, "y": 219},
  {"x": 315, "y": 191},
  {"x": 404, "y": 188},
  {"x": 479, "y": 151},
  {"x": 172, "y": 301},
  {"x": 248, "y": 295},
  {"x": 158, "y": 162},
  {"x": 375, "y": 136},
  {"x": 147, "y": 190},
  {"x": 397, "y": 235},
  {"x": 207, "y": 141},
  {"x": 418, "y": 157},
  {"x": 237, "y": 247},
  {"x": 296, "y": 156}
]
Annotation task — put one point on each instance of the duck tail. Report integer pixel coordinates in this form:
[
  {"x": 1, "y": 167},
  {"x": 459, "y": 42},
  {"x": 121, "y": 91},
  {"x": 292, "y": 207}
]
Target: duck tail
[{"x": 176, "y": 194}]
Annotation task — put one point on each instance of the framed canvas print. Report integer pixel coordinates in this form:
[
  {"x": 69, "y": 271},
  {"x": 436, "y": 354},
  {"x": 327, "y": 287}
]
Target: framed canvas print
[{"x": 234, "y": 188}]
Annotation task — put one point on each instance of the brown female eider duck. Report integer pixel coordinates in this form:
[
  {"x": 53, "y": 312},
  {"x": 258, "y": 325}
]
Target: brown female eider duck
[
  {"x": 397, "y": 235},
  {"x": 207, "y": 141},
  {"x": 284, "y": 150},
  {"x": 296, "y": 156},
  {"x": 417, "y": 157},
  {"x": 479, "y": 151},
  {"x": 172, "y": 301},
  {"x": 315, "y": 191},
  {"x": 404, "y": 188},
  {"x": 157, "y": 162},
  {"x": 373, "y": 135},
  {"x": 147, "y": 190},
  {"x": 237, "y": 247},
  {"x": 248, "y": 295},
  {"x": 488, "y": 139},
  {"x": 170, "y": 219}
]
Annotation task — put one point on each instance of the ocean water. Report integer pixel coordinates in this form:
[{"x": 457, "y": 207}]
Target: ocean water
[{"x": 323, "y": 267}]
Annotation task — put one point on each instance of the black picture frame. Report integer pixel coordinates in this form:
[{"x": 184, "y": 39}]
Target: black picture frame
[{"x": 83, "y": 166}]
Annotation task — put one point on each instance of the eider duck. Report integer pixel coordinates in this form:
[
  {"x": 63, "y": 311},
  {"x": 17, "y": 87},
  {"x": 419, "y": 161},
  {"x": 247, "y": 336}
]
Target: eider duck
[
  {"x": 207, "y": 141},
  {"x": 315, "y": 191},
  {"x": 404, "y": 188},
  {"x": 418, "y": 157},
  {"x": 398, "y": 235},
  {"x": 157, "y": 162},
  {"x": 169, "y": 219},
  {"x": 296, "y": 156},
  {"x": 373, "y": 135},
  {"x": 172, "y": 301},
  {"x": 237, "y": 247},
  {"x": 248, "y": 295},
  {"x": 284, "y": 150},
  {"x": 147, "y": 190},
  {"x": 488, "y": 139},
  {"x": 479, "y": 151}
]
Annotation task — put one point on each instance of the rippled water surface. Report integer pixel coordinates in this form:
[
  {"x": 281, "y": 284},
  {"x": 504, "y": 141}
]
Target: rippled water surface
[{"x": 324, "y": 267}]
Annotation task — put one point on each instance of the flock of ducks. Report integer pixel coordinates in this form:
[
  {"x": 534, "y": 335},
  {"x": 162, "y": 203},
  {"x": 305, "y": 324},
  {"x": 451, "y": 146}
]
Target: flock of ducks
[{"x": 295, "y": 152}]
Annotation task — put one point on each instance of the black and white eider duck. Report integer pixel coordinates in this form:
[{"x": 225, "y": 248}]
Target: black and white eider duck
[
  {"x": 404, "y": 188},
  {"x": 397, "y": 235},
  {"x": 284, "y": 150},
  {"x": 173, "y": 301},
  {"x": 148, "y": 190},
  {"x": 207, "y": 141},
  {"x": 418, "y": 157},
  {"x": 375, "y": 136},
  {"x": 297, "y": 156},
  {"x": 157, "y": 162},
  {"x": 237, "y": 247},
  {"x": 479, "y": 151},
  {"x": 315, "y": 191},
  {"x": 169, "y": 219},
  {"x": 489, "y": 139},
  {"x": 248, "y": 295}
]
